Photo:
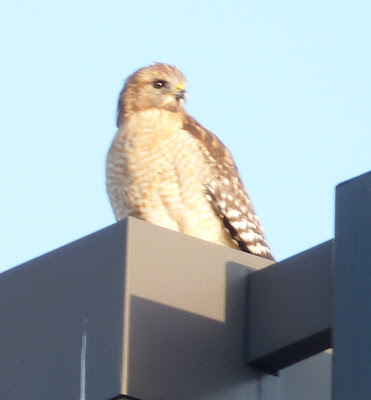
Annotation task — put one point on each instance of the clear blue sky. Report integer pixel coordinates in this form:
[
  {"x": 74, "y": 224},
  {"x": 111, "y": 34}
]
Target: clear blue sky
[{"x": 285, "y": 85}]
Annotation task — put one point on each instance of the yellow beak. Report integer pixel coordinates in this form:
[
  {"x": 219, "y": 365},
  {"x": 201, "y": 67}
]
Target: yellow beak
[{"x": 181, "y": 92}]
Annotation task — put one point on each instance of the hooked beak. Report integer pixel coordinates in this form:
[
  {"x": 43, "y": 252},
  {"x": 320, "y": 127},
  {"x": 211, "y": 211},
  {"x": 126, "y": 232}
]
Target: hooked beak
[{"x": 180, "y": 93}]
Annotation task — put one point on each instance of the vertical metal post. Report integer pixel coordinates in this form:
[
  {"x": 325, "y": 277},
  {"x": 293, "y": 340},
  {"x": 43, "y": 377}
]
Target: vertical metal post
[{"x": 352, "y": 290}]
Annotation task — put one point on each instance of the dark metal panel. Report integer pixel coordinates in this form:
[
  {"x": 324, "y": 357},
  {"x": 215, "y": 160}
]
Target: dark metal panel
[
  {"x": 309, "y": 379},
  {"x": 289, "y": 309},
  {"x": 352, "y": 314},
  {"x": 135, "y": 310},
  {"x": 61, "y": 321}
]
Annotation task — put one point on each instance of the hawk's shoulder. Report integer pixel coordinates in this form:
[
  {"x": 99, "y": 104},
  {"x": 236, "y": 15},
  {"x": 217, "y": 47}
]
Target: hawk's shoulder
[
  {"x": 212, "y": 143},
  {"x": 226, "y": 192}
]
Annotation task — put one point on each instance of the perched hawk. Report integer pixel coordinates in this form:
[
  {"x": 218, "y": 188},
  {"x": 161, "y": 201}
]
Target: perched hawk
[{"x": 165, "y": 168}]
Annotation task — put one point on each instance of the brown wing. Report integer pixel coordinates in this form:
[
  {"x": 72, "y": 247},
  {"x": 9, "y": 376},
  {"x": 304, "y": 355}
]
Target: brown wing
[{"x": 225, "y": 191}]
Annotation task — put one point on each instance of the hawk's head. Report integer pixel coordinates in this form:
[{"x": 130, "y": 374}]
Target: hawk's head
[{"x": 156, "y": 86}]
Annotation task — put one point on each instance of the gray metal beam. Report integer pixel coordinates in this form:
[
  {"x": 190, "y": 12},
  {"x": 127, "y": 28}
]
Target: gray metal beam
[
  {"x": 136, "y": 311},
  {"x": 133, "y": 310},
  {"x": 352, "y": 290},
  {"x": 289, "y": 309}
]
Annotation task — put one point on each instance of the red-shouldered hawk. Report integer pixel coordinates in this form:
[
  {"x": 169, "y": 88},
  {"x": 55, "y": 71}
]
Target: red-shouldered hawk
[{"x": 165, "y": 168}]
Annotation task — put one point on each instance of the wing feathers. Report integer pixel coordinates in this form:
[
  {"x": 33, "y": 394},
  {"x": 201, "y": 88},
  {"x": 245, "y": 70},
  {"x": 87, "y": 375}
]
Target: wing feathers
[{"x": 225, "y": 191}]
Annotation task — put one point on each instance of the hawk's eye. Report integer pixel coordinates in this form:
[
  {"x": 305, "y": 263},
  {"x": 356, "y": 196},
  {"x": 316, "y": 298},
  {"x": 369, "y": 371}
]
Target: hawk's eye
[{"x": 159, "y": 84}]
